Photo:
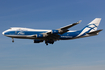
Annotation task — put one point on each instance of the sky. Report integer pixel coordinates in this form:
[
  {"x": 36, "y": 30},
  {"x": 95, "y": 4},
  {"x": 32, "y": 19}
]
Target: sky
[{"x": 79, "y": 54}]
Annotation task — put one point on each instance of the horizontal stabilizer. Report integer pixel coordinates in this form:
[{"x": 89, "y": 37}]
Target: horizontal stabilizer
[{"x": 95, "y": 32}]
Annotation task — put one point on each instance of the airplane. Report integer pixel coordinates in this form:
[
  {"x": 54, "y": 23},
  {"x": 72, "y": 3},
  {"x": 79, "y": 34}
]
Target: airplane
[{"x": 50, "y": 36}]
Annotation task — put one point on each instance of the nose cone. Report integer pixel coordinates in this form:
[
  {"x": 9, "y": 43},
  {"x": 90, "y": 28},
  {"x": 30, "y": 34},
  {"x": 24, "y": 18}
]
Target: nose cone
[
  {"x": 6, "y": 32},
  {"x": 3, "y": 33}
]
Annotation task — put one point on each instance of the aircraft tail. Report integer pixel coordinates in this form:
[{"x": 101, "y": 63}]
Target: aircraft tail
[{"x": 91, "y": 27}]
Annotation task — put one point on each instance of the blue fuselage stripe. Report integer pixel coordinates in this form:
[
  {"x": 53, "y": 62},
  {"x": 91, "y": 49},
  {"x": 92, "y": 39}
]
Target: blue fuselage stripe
[
  {"x": 67, "y": 35},
  {"x": 23, "y": 32}
]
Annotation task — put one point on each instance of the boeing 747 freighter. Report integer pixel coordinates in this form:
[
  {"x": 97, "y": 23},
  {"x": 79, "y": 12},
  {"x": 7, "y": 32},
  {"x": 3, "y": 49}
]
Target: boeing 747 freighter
[{"x": 50, "y": 36}]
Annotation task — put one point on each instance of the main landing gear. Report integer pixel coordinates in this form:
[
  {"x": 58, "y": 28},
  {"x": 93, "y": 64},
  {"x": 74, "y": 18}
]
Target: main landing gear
[{"x": 50, "y": 42}]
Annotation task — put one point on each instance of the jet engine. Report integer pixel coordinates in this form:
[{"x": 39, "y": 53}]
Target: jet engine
[
  {"x": 54, "y": 31},
  {"x": 39, "y": 35},
  {"x": 37, "y": 41}
]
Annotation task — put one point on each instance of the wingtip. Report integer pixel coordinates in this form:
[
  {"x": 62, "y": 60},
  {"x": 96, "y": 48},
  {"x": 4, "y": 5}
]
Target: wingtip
[
  {"x": 79, "y": 21},
  {"x": 101, "y": 29}
]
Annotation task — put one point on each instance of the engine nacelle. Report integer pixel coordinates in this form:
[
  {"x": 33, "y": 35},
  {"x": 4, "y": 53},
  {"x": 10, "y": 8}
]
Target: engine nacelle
[
  {"x": 37, "y": 41},
  {"x": 39, "y": 35},
  {"x": 54, "y": 31}
]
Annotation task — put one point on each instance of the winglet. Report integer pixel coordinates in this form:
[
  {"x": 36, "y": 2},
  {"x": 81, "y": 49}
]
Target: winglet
[{"x": 79, "y": 21}]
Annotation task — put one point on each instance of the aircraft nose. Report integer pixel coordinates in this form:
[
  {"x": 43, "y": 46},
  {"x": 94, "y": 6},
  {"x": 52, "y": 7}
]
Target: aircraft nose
[{"x": 3, "y": 33}]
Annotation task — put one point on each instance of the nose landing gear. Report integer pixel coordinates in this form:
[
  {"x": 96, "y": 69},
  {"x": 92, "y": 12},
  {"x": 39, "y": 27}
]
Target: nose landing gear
[{"x": 12, "y": 40}]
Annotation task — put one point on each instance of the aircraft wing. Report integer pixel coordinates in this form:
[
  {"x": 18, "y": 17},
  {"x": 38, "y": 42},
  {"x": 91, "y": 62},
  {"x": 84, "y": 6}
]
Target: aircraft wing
[
  {"x": 69, "y": 26},
  {"x": 63, "y": 29},
  {"x": 53, "y": 33}
]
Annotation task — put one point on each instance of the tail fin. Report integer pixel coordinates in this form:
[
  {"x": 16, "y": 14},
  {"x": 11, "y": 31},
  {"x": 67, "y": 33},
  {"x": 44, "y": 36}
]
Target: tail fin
[{"x": 92, "y": 26}]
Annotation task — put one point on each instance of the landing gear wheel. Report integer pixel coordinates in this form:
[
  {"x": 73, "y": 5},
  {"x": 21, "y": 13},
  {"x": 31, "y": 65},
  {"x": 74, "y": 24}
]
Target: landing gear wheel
[
  {"x": 46, "y": 43},
  {"x": 12, "y": 40},
  {"x": 52, "y": 43}
]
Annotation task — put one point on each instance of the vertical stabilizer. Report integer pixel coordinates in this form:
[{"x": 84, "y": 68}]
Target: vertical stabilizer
[
  {"x": 95, "y": 23},
  {"x": 92, "y": 26}
]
